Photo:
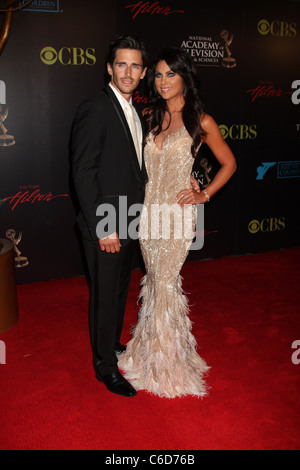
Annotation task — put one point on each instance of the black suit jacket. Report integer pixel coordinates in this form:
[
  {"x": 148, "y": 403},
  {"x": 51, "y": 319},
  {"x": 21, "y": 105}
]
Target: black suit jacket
[{"x": 104, "y": 161}]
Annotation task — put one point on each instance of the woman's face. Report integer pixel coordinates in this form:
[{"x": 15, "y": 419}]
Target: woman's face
[{"x": 168, "y": 84}]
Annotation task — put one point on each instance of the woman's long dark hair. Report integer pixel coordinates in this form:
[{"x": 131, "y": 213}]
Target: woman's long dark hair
[{"x": 179, "y": 62}]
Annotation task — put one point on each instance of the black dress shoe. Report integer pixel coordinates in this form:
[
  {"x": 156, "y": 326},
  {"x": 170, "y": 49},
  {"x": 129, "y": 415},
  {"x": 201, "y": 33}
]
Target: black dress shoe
[
  {"x": 119, "y": 348},
  {"x": 116, "y": 383}
]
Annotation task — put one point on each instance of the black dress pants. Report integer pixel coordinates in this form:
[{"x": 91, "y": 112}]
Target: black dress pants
[{"x": 110, "y": 275}]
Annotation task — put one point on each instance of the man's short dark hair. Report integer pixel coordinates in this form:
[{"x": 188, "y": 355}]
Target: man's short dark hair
[{"x": 126, "y": 41}]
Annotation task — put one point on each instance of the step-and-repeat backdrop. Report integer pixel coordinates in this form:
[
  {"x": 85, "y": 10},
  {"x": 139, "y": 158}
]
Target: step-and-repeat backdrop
[{"x": 247, "y": 58}]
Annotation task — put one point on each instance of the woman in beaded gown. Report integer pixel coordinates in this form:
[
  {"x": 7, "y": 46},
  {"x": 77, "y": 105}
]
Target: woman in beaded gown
[{"x": 162, "y": 355}]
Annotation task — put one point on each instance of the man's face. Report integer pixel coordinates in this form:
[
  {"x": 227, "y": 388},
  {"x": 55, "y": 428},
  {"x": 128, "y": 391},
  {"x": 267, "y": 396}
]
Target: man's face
[{"x": 126, "y": 71}]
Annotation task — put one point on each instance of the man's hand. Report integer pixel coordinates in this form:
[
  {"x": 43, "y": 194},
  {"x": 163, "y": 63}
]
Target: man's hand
[{"x": 110, "y": 244}]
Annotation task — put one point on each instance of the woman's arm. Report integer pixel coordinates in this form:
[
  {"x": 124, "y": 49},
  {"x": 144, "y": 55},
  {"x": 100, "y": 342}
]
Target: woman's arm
[{"x": 224, "y": 156}]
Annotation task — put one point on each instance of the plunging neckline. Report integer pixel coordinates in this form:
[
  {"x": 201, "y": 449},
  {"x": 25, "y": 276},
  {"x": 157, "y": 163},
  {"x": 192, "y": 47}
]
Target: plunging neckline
[{"x": 167, "y": 137}]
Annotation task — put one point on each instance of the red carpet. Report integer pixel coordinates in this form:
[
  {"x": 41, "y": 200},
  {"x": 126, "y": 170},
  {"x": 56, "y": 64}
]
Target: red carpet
[{"x": 246, "y": 316}]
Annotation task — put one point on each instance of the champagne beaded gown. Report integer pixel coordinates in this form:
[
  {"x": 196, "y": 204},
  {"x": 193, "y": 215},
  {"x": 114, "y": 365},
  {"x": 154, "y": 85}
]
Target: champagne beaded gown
[{"x": 161, "y": 356}]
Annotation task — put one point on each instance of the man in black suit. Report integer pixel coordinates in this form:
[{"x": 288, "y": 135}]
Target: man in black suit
[{"x": 108, "y": 167}]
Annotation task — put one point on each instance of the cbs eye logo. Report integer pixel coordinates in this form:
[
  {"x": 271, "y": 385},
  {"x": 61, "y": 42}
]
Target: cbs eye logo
[
  {"x": 68, "y": 56},
  {"x": 48, "y": 55},
  {"x": 277, "y": 28},
  {"x": 271, "y": 224},
  {"x": 238, "y": 131}
]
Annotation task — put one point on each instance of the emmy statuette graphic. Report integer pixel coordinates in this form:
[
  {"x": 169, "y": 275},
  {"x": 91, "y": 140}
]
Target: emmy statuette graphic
[
  {"x": 8, "y": 7},
  {"x": 228, "y": 62},
  {"x": 21, "y": 261},
  {"x": 5, "y": 139},
  {"x": 207, "y": 168}
]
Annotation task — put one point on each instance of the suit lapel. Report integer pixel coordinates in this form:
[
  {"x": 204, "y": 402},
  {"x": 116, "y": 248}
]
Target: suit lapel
[
  {"x": 139, "y": 172},
  {"x": 143, "y": 169}
]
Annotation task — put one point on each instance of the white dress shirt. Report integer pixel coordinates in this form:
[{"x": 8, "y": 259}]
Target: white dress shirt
[{"x": 123, "y": 102}]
